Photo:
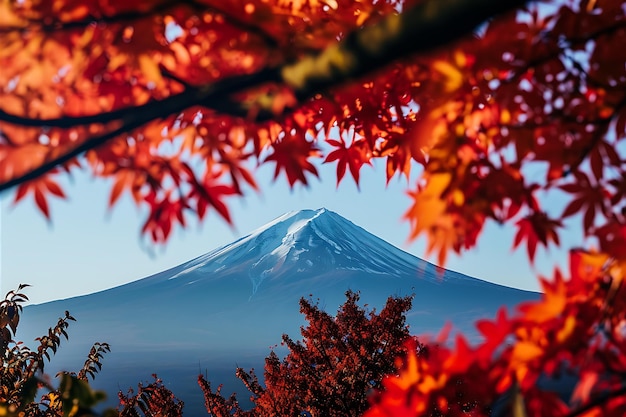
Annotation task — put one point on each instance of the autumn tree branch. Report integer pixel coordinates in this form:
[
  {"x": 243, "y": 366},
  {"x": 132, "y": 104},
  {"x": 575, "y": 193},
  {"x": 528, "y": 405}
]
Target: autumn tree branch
[
  {"x": 141, "y": 116},
  {"x": 598, "y": 401},
  {"x": 423, "y": 27},
  {"x": 604, "y": 122}
]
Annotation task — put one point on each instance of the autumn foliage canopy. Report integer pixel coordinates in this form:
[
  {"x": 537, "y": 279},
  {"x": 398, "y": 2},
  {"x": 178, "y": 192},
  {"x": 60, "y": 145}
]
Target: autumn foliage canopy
[{"x": 498, "y": 105}]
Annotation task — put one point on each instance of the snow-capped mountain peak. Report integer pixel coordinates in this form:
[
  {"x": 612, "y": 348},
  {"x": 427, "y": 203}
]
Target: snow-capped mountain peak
[{"x": 304, "y": 241}]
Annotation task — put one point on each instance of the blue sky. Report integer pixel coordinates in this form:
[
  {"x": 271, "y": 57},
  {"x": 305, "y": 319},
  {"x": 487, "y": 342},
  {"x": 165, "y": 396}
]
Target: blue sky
[{"x": 87, "y": 247}]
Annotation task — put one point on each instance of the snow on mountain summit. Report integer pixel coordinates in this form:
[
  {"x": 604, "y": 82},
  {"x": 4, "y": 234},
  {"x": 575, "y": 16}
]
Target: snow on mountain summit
[{"x": 304, "y": 240}]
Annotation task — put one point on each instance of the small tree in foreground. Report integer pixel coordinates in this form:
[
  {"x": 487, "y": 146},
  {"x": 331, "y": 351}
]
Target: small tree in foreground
[
  {"x": 21, "y": 369},
  {"x": 22, "y": 376},
  {"x": 332, "y": 370}
]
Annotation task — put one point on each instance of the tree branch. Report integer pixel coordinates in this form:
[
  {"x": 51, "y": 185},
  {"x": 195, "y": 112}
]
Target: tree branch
[
  {"x": 209, "y": 96},
  {"x": 598, "y": 402},
  {"x": 424, "y": 27}
]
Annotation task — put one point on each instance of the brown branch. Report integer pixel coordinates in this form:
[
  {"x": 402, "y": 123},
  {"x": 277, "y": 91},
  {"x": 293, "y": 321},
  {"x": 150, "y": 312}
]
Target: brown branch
[
  {"x": 173, "y": 77},
  {"x": 588, "y": 78},
  {"x": 209, "y": 96},
  {"x": 597, "y": 402},
  {"x": 212, "y": 96},
  {"x": 192, "y": 96},
  {"x": 585, "y": 37}
]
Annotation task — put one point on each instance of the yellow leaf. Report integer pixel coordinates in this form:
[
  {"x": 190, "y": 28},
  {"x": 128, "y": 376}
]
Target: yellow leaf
[
  {"x": 150, "y": 69},
  {"x": 458, "y": 198},
  {"x": 441, "y": 238},
  {"x": 54, "y": 400},
  {"x": 428, "y": 206},
  {"x": 566, "y": 331},
  {"x": 551, "y": 305},
  {"x": 525, "y": 351},
  {"x": 429, "y": 383},
  {"x": 362, "y": 17},
  {"x": 116, "y": 61},
  {"x": 505, "y": 117},
  {"x": 410, "y": 375},
  {"x": 452, "y": 77}
]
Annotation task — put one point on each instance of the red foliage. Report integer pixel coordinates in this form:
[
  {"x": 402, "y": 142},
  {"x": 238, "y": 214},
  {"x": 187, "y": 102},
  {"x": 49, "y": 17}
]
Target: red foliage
[
  {"x": 577, "y": 328},
  {"x": 331, "y": 372},
  {"x": 152, "y": 400}
]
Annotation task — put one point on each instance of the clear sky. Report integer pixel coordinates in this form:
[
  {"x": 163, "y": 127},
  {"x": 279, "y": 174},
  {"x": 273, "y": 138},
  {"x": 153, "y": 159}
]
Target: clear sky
[{"x": 87, "y": 248}]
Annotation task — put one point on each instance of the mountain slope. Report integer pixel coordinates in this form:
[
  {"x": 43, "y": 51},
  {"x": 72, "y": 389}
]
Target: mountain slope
[{"x": 227, "y": 307}]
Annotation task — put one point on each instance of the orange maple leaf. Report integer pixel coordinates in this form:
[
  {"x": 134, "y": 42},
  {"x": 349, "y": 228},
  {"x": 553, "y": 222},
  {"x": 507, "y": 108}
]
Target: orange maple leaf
[
  {"x": 428, "y": 203},
  {"x": 535, "y": 229},
  {"x": 552, "y": 303}
]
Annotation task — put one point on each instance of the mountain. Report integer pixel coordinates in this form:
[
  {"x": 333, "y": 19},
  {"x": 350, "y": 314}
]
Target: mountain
[{"x": 228, "y": 307}]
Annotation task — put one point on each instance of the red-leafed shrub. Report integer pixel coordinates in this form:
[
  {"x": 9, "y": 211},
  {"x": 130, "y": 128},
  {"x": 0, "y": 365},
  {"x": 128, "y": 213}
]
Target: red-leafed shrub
[{"x": 330, "y": 372}]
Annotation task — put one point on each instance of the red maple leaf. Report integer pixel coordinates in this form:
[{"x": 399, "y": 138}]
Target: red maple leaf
[
  {"x": 210, "y": 193},
  {"x": 536, "y": 228},
  {"x": 353, "y": 157},
  {"x": 40, "y": 188},
  {"x": 588, "y": 197},
  {"x": 291, "y": 154}
]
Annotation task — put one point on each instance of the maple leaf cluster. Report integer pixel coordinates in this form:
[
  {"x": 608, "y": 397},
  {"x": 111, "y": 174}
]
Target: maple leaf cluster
[
  {"x": 177, "y": 102},
  {"x": 135, "y": 87},
  {"x": 573, "y": 337}
]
